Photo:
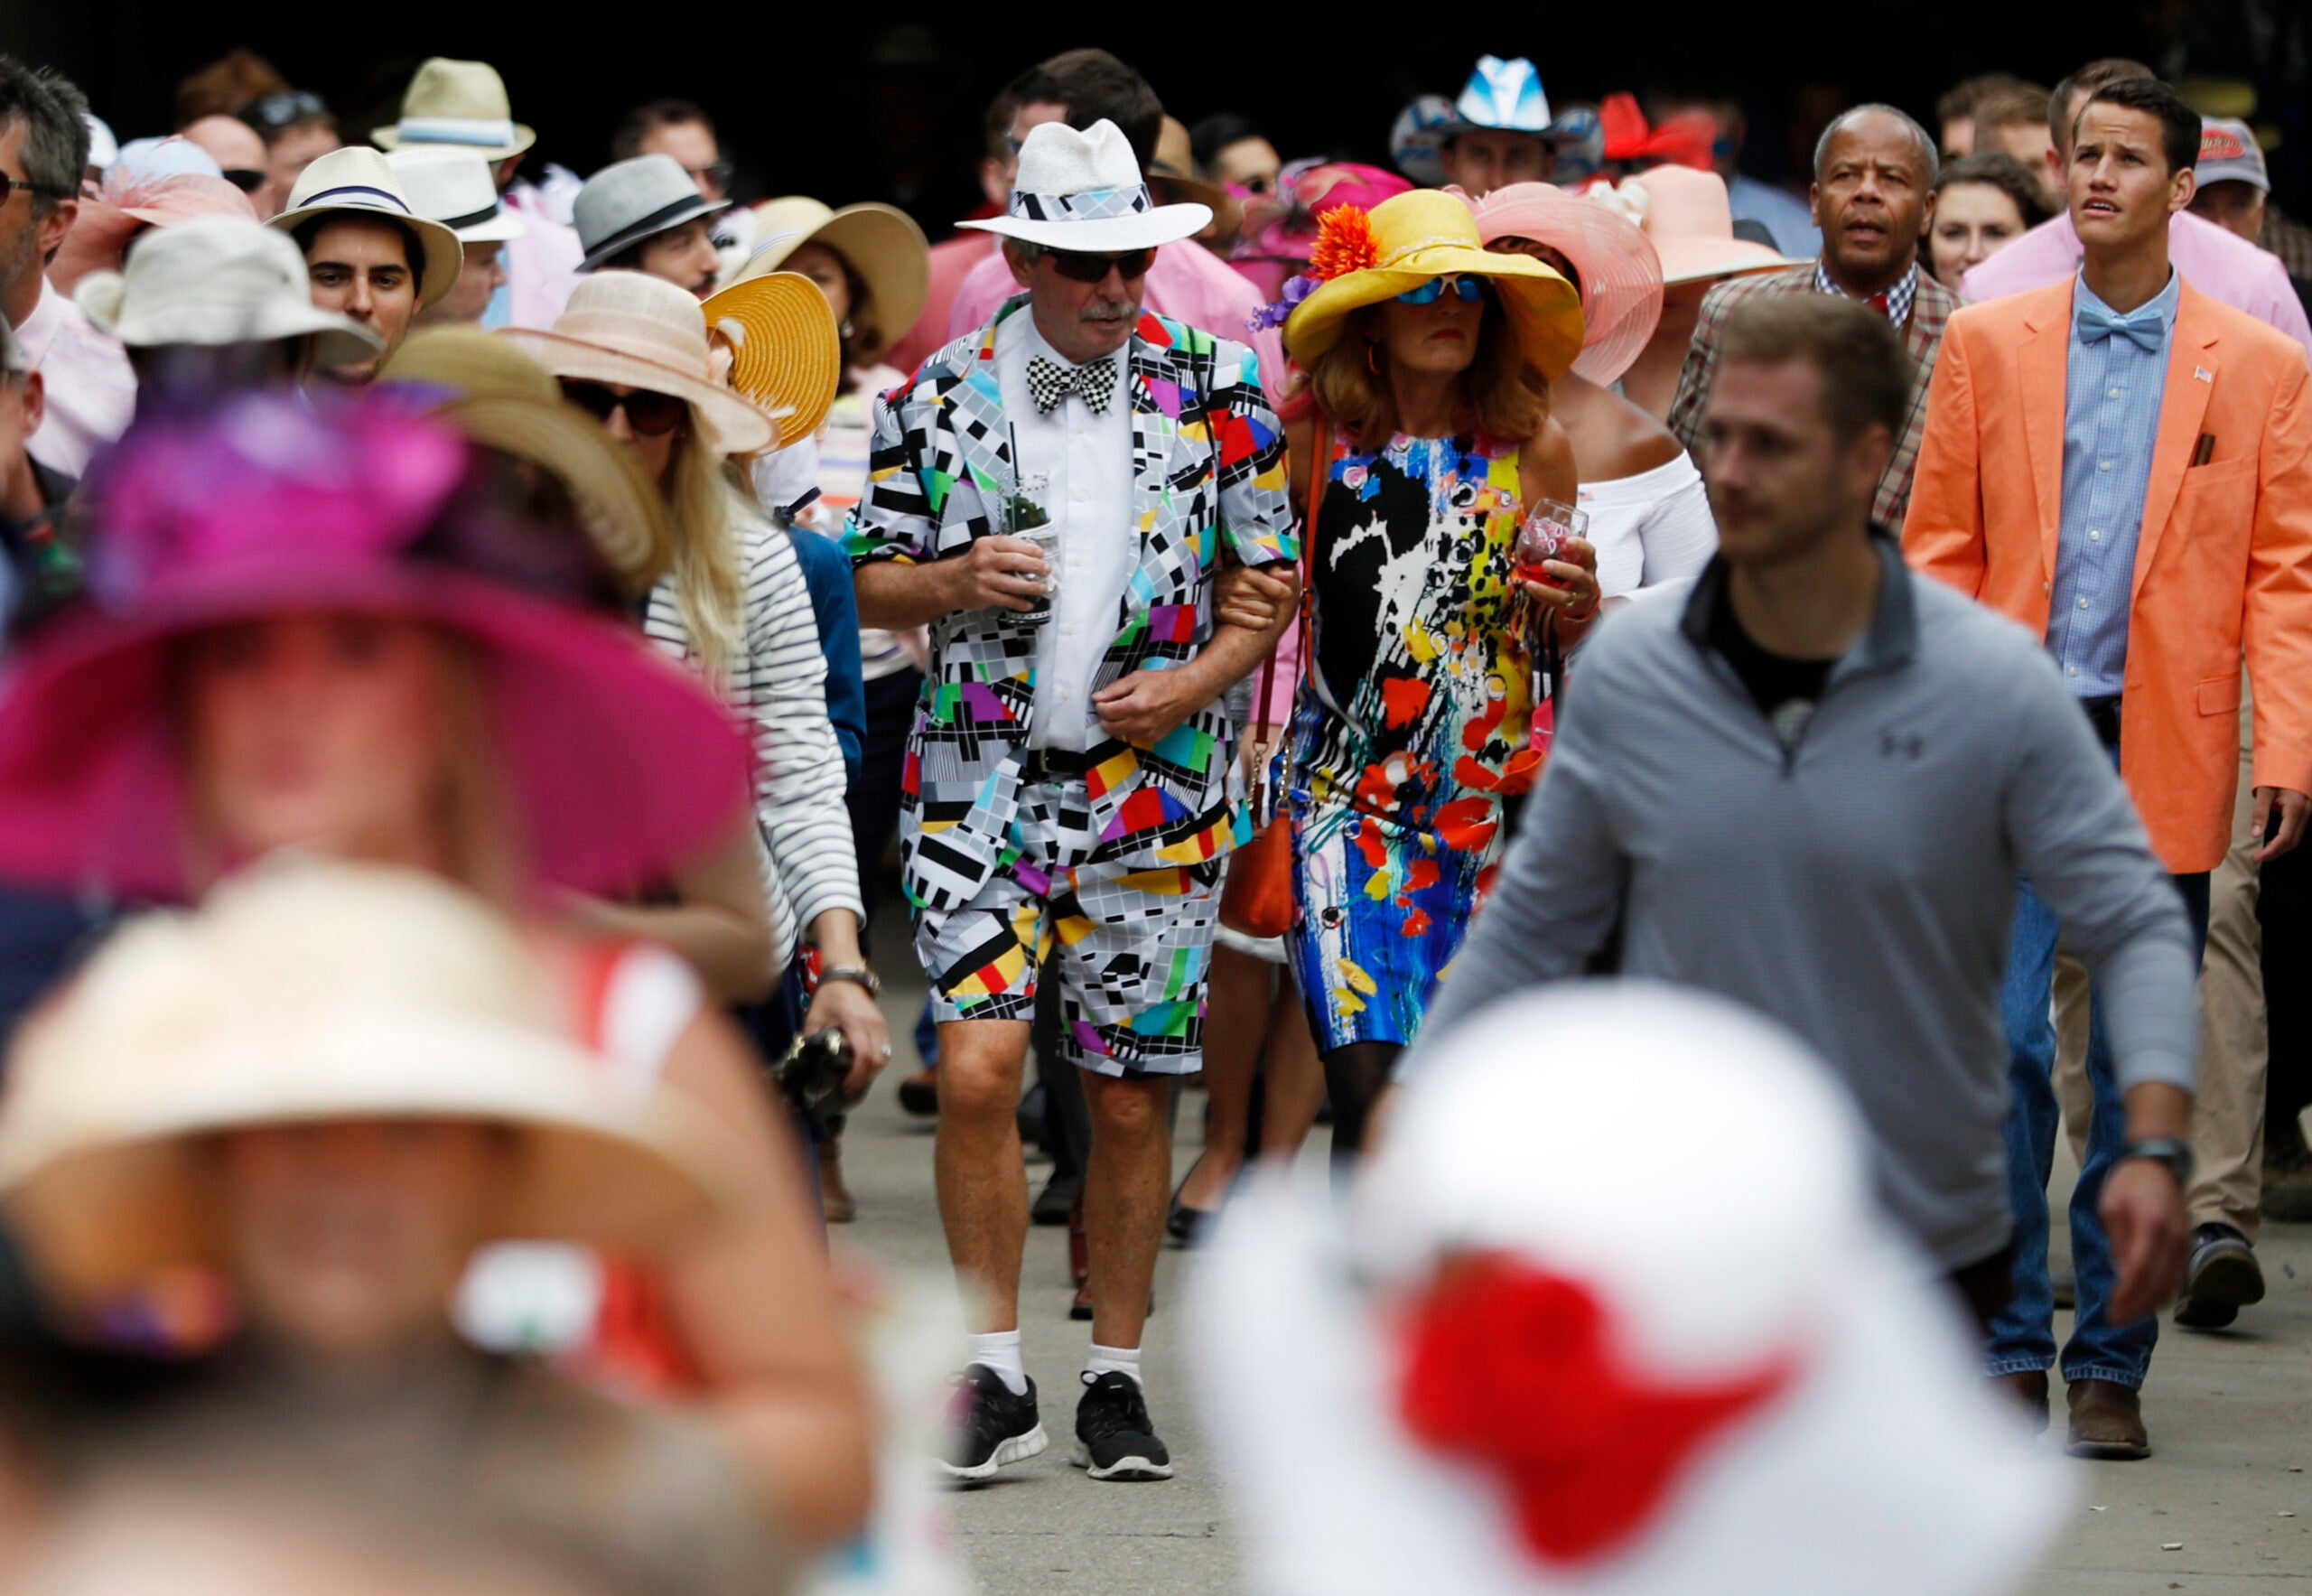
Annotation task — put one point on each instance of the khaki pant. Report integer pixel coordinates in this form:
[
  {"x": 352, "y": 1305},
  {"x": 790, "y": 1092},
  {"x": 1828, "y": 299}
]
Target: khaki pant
[{"x": 2228, "y": 1112}]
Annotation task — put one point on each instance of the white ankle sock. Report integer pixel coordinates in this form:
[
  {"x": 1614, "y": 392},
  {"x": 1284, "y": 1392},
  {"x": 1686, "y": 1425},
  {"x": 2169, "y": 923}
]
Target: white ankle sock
[
  {"x": 1000, "y": 1352},
  {"x": 1113, "y": 1360}
]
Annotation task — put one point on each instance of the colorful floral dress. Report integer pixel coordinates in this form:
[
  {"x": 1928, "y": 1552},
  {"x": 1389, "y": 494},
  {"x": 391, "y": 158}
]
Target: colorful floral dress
[{"x": 1414, "y": 722}]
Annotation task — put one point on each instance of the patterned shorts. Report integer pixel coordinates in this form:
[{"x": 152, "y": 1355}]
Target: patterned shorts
[{"x": 1132, "y": 946}]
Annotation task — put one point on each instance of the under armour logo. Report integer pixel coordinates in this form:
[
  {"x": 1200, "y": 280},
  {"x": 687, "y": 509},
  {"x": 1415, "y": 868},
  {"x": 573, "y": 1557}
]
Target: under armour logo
[{"x": 1910, "y": 745}]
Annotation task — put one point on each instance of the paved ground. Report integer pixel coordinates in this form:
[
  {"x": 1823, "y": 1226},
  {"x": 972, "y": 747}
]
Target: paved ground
[{"x": 2231, "y": 1418}]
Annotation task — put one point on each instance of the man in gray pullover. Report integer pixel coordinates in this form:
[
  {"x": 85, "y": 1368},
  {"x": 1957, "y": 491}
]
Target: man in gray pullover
[{"x": 1808, "y": 785}]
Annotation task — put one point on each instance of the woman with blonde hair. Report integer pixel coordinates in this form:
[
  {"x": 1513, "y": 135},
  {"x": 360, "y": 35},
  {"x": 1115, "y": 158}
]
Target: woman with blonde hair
[
  {"x": 1429, "y": 445},
  {"x": 633, "y": 351}
]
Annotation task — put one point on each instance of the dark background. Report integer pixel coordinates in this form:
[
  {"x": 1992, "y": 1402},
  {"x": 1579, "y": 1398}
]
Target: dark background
[{"x": 888, "y": 107}]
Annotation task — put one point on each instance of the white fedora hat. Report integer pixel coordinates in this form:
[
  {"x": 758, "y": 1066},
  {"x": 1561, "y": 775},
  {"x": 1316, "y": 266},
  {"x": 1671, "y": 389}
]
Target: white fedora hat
[
  {"x": 457, "y": 104},
  {"x": 1084, "y": 191},
  {"x": 358, "y": 182},
  {"x": 314, "y": 993},
  {"x": 218, "y": 280},
  {"x": 642, "y": 332},
  {"x": 627, "y": 201},
  {"x": 455, "y": 188}
]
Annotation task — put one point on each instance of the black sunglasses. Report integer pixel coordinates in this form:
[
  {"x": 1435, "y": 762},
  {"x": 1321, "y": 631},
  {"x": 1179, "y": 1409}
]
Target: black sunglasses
[
  {"x": 9, "y": 185},
  {"x": 244, "y": 179},
  {"x": 1079, "y": 267},
  {"x": 279, "y": 110},
  {"x": 653, "y": 415}
]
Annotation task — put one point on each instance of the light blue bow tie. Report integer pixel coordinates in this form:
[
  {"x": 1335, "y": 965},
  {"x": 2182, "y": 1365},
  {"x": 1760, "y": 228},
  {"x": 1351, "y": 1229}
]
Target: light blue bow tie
[{"x": 2143, "y": 329}]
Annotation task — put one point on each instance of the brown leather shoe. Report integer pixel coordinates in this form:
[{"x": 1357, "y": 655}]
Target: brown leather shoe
[
  {"x": 2028, "y": 1388},
  {"x": 2106, "y": 1420},
  {"x": 834, "y": 1197}
]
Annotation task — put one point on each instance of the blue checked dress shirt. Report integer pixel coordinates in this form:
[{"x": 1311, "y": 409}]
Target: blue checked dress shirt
[{"x": 2111, "y": 420}]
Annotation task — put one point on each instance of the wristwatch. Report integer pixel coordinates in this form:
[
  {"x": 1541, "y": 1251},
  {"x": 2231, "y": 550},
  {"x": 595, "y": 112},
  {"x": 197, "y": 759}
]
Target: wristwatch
[
  {"x": 857, "y": 975},
  {"x": 2172, "y": 1151}
]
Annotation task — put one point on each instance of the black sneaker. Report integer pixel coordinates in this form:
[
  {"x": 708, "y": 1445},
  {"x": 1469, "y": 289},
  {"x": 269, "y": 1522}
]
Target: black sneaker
[
  {"x": 2222, "y": 1278},
  {"x": 1114, "y": 1439},
  {"x": 994, "y": 1427}
]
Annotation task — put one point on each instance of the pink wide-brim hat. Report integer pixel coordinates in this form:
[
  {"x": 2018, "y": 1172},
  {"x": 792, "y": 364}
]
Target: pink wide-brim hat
[
  {"x": 618, "y": 767},
  {"x": 1620, "y": 276},
  {"x": 1687, "y": 215}
]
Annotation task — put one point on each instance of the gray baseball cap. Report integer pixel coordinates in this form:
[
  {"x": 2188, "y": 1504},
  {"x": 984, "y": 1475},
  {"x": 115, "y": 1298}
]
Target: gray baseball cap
[{"x": 2229, "y": 153}]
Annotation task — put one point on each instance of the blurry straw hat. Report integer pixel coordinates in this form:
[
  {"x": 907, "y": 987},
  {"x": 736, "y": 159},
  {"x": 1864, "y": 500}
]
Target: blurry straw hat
[
  {"x": 640, "y": 332},
  {"x": 1687, "y": 215},
  {"x": 460, "y": 104},
  {"x": 1618, "y": 273},
  {"x": 218, "y": 280},
  {"x": 311, "y": 994},
  {"x": 1172, "y": 176},
  {"x": 358, "y": 182},
  {"x": 882, "y": 243},
  {"x": 786, "y": 355}
]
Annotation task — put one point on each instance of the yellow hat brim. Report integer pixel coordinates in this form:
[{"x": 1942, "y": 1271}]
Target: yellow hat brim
[
  {"x": 785, "y": 353},
  {"x": 1544, "y": 308}
]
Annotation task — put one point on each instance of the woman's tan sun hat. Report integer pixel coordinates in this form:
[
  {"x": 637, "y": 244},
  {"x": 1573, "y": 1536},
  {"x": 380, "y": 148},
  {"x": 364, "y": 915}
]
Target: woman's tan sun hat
[
  {"x": 882, "y": 243},
  {"x": 642, "y": 331},
  {"x": 1364, "y": 257},
  {"x": 315, "y": 992},
  {"x": 786, "y": 354}
]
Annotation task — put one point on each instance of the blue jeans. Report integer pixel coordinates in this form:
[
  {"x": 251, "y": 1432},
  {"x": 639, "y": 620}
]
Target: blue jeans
[{"x": 2022, "y": 1336}]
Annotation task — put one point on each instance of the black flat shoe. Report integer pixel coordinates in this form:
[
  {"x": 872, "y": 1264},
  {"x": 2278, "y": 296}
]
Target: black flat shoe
[{"x": 1184, "y": 1223}]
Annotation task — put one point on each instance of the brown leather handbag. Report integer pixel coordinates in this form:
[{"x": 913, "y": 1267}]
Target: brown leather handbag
[{"x": 1256, "y": 900}]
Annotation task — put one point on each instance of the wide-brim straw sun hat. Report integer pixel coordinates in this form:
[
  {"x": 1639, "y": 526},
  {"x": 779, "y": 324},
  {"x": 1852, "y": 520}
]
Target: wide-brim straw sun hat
[
  {"x": 1616, "y": 271},
  {"x": 497, "y": 397},
  {"x": 218, "y": 280},
  {"x": 457, "y": 105},
  {"x": 454, "y": 187},
  {"x": 640, "y": 332},
  {"x": 1172, "y": 175},
  {"x": 630, "y": 200},
  {"x": 358, "y": 182},
  {"x": 311, "y": 992},
  {"x": 1688, "y": 217},
  {"x": 785, "y": 353},
  {"x": 1083, "y": 192},
  {"x": 1365, "y": 257},
  {"x": 881, "y": 242},
  {"x": 617, "y": 768}
]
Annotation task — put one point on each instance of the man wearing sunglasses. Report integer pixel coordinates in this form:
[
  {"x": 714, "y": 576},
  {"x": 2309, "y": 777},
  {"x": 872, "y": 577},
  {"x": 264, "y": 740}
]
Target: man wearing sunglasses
[
  {"x": 298, "y": 130},
  {"x": 1069, "y": 799},
  {"x": 234, "y": 145},
  {"x": 91, "y": 392}
]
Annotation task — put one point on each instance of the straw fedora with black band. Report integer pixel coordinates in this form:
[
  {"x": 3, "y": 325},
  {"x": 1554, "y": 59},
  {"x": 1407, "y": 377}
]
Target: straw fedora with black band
[
  {"x": 308, "y": 994},
  {"x": 459, "y": 105},
  {"x": 627, "y": 201},
  {"x": 356, "y": 182},
  {"x": 454, "y": 187},
  {"x": 882, "y": 243}
]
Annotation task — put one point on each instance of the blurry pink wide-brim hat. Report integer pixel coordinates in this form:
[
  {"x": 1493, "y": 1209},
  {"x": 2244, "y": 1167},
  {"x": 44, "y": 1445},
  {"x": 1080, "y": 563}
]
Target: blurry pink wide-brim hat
[
  {"x": 1615, "y": 265},
  {"x": 618, "y": 767},
  {"x": 1687, "y": 216},
  {"x": 108, "y": 224}
]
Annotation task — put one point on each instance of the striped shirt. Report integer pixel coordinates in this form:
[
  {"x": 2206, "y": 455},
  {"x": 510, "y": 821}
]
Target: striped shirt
[{"x": 778, "y": 685}]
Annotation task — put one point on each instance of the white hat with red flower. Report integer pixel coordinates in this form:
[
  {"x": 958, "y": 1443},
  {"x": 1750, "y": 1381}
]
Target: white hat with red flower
[{"x": 1611, "y": 1309}]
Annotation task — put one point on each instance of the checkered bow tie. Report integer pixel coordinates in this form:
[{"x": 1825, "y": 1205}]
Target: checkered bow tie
[{"x": 1050, "y": 382}]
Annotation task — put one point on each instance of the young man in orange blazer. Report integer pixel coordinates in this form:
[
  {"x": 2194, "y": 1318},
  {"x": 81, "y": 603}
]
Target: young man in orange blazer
[{"x": 2125, "y": 465}]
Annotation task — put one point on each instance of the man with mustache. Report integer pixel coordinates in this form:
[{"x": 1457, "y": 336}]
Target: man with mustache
[
  {"x": 648, "y": 215},
  {"x": 1068, "y": 797},
  {"x": 1873, "y": 195}
]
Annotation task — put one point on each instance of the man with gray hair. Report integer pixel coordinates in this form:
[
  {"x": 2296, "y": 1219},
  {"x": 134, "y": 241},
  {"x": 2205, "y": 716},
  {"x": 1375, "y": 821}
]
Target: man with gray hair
[
  {"x": 1873, "y": 197},
  {"x": 43, "y": 151}
]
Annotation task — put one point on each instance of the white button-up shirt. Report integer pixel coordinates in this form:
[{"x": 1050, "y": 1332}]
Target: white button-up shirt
[
  {"x": 84, "y": 373},
  {"x": 1085, "y": 461}
]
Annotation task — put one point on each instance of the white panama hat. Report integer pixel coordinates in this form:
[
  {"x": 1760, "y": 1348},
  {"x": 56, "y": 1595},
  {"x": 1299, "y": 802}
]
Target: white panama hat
[
  {"x": 1083, "y": 192},
  {"x": 218, "y": 280},
  {"x": 1742, "y": 1270},
  {"x": 457, "y": 105},
  {"x": 357, "y": 181},
  {"x": 455, "y": 188}
]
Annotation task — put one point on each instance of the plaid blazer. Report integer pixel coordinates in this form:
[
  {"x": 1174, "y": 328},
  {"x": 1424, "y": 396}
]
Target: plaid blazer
[
  {"x": 1930, "y": 314},
  {"x": 1207, "y": 457}
]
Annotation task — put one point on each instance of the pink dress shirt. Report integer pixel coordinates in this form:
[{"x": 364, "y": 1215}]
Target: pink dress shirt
[
  {"x": 85, "y": 374},
  {"x": 2218, "y": 263},
  {"x": 1186, "y": 282},
  {"x": 541, "y": 266}
]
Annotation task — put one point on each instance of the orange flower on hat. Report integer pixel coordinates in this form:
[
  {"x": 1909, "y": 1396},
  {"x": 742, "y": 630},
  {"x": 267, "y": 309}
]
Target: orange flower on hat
[{"x": 1344, "y": 244}]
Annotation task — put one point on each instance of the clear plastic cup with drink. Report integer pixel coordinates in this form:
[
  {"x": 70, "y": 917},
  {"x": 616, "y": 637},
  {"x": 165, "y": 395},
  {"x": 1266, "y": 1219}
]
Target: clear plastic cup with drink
[
  {"x": 1023, "y": 516},
  {"x": 1543, "y": 535}
]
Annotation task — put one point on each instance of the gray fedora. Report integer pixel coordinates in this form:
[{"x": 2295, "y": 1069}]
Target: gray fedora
[{"x": 627, "y": 201}]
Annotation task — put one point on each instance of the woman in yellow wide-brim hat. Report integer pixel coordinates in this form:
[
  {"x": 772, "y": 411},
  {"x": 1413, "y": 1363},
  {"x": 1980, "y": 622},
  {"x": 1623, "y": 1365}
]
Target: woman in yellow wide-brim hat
[{"x": 1428, "y": 361}]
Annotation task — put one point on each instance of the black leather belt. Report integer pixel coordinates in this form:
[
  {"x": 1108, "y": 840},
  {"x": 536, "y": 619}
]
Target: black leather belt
[
  {"x": 1046, "y": 765},
  {"x": 2104, "y": 714}
]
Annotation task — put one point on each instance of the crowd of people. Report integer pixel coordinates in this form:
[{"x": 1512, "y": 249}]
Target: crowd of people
[{"x": 476, "y": 642}]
